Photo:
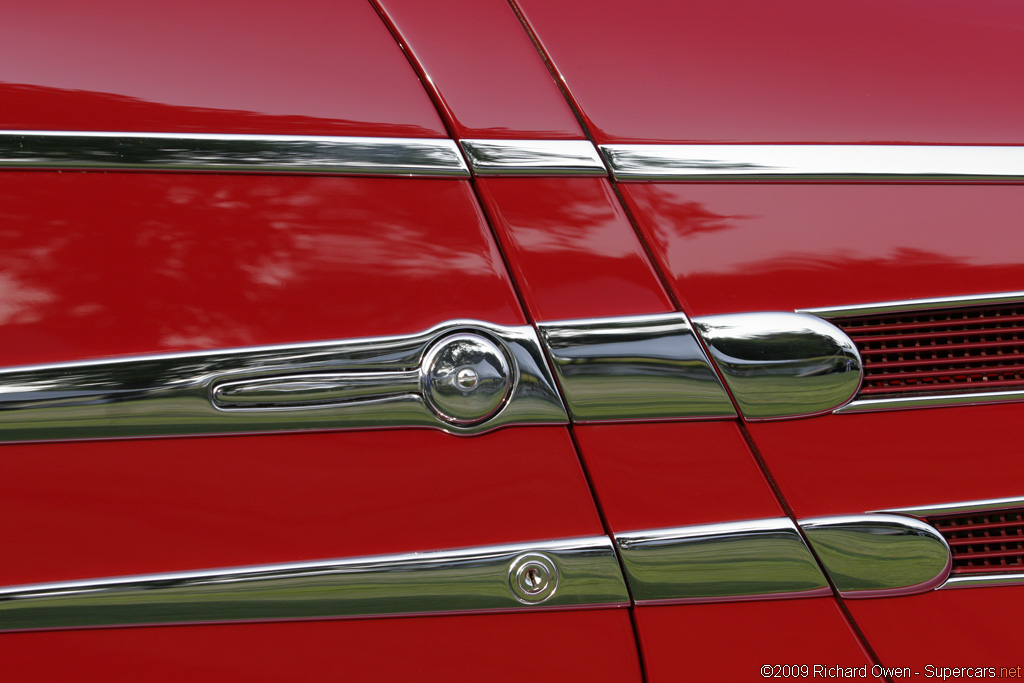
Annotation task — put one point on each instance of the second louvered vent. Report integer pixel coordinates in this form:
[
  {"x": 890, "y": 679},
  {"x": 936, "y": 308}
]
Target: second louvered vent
[{"x": 947, "y": 350}]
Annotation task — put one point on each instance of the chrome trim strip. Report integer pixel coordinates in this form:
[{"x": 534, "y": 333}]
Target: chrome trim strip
[
  {"x": 871, "y": 405},
  {"x": 983, "y": 581},
  {"x": 936, "y": 163},
  {"x": 910, "y": 305},
  {"x": 869, "y": 556},
  {"x": 967, "y": 507},
  {"x": 364, "y": 383},
  {"x": 87, "y": 150},
  {"x": 752, "y": 560},
  {"x": 782, "y": 364},
  {"x": 448, "y": 581},
  {"x": 533, "y": 158},
  {"x": 632, "y": 368}
]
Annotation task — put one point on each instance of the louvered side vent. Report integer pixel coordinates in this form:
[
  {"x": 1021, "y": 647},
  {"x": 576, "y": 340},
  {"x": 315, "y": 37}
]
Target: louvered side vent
[
  {"x": 984, "y": 542},
  {"x": 950, "y": 350}
]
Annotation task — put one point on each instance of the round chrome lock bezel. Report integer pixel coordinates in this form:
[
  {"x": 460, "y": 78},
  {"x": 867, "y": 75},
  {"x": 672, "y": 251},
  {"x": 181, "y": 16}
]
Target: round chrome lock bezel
[
  {"x": 533, "y": 578},
  {"x": 466, "y": 378}
]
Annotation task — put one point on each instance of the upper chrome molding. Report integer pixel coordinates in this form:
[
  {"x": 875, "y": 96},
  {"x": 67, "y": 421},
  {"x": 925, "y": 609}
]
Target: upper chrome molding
[
  {"x": 751, "y": 560},
  {"x": 643, "y": 367},
  {"x": 419, "y": 380},
  {"x": 782, "y": 364},
  {"x": 815, "y": 162},
  {"x": 231, "y": 153},
  {"x": 983, "y": 581},
  {"x": 533, "y": 158},
  {"x": 874, "y": 405},
  {"x": 580, "y": 572},
  {"x": 877, "y": 555},
  {"x": 966, "y": 507},
  {"x": 911, "y": 305}
]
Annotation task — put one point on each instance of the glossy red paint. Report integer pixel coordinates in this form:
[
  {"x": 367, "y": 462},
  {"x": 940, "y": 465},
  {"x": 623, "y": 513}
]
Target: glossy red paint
[
  {"x": 571, "y": 248},
  {"x": 749, "y": 247},
  {"x": 582, "y": 645},
  {"x": 659, "y": 475},
  {"x": 748, "y": 71},
  {"x": 499, "y": 89},
  {"x": 733, "y": 640},
  {"x": 108, "y": 508},
  {"x": 203, "y": 66},
  {"x": 841, "y": 464},
  {"x": 972, "y": 627},
  {"x": 136, "y": 263}
]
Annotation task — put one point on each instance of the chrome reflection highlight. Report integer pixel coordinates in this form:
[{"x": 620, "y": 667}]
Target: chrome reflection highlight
[
  {"x": 231, "y": 153},
  {"x": 967, "y": 507},
  {"x": 873, "y": 405},
  {"x": 633, "y": 368},
  {"x": 869, "y": 556},
  {"x": 815, "y": 162},
  {"x": 759, "y": 559},
  {"x": 376, "y": 382},
  {"x": 430, "y": 582},
  {"x": 533, "y": 158},
  {"x": 910, "y": 305},
  {"x": 782, "y": 364},
  {"x": 983, "y": 581}
]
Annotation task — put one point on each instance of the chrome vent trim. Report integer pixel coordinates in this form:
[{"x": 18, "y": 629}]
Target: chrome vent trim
[
  {"x": 633, "y": 368},
  {"x": 751, "y": 560},
  {"x": 581, "y": 572},
  {"x": 363, "y": 383},
  {"x": 193, "y": 152},
  {"x": 938, "y": 392},
  {"x": 780, "y": 365},
  {"x": 533, "y": 158},
  {"x": 708, "y": 162}
]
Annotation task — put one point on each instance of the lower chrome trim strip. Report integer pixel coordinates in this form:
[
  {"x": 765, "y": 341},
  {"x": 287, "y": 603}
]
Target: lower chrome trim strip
[
  {"x": 362, "y": 383},
  {"x": 936, "y": 163},
  {"x": 231, "y": 153},
  {"x": 753, "y": 560},
  {"x": 533, "y": 158},
  {"x": 580, "y": 572},
  {"x": 631, "y": 368}
]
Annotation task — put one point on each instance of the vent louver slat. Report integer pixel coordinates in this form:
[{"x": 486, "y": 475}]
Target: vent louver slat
[
  {"x": 949, "y": 350},
  {"x": 984, "y": 542}
]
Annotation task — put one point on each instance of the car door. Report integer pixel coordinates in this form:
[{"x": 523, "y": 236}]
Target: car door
[
  {"x": 826, "y": 188},
  {"x": 272, "y": 407}
]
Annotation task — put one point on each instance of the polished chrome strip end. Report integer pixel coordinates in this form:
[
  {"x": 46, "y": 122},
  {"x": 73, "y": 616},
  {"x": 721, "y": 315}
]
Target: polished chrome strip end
[
  {"x": 966, "y": 507},
  {"x": 634, "y": 368},
  {"x": 752, "y": 560},
  {"x": 464, "y": 377},
  {"x": 873, "y": 405},
  {"x": 782, "y": 364},
  {"x": 533, "y": 158},
  {"x": 878, "y": 555},
  {"x": 231, "y": 153},
  {"x": 571, "y": 573},
  {"x": 983, "y": 581},
  {"x": 935, "y": 163},
  {"x": 911, "y": 305}
]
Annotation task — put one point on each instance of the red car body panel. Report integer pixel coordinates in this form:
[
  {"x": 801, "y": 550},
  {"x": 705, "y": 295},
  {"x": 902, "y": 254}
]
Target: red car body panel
[
  {"x": 749, "y": 72},
  {"x": 737, "y": 639},
  {"x": 656, "y": 475},
  {"x": 497, "y": 89},
  {"x": 305, "y": 68},
  {"x": 421, "y": 648},
  {"x": 571, "y": 248},
  {"x": 97, "y": 265}
]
